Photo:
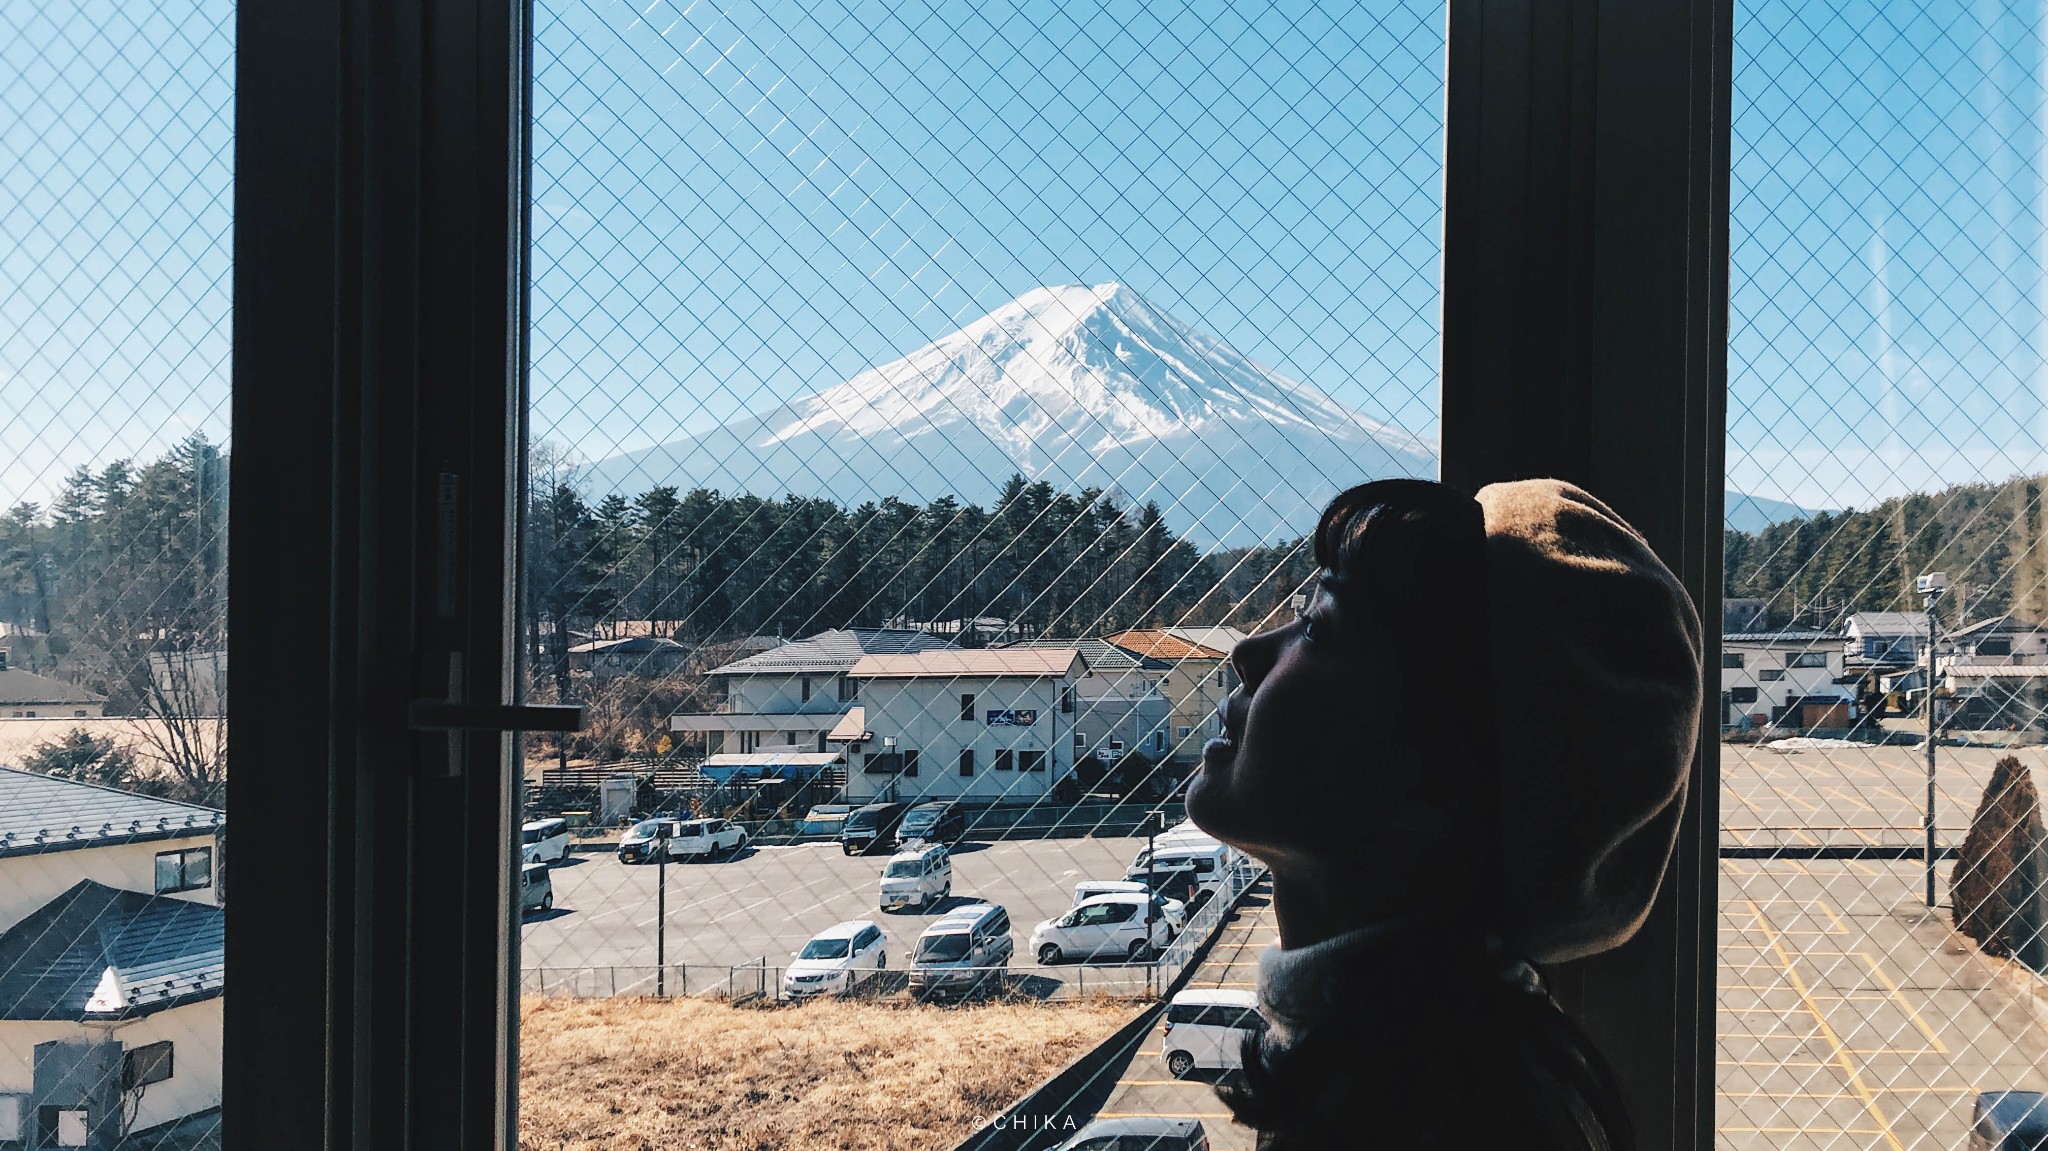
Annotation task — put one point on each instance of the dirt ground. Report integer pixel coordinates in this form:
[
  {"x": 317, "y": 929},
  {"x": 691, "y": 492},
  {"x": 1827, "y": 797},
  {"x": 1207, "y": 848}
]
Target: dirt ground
[{"x": 641, "y": 1074}]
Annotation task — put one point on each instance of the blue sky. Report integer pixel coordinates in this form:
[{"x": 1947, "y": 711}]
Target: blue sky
[{"x": 737, "y": 204}]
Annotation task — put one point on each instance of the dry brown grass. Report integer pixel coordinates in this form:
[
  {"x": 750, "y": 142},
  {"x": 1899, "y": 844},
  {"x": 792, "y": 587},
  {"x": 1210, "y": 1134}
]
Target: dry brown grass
[{"x": 642, "y": 1074}]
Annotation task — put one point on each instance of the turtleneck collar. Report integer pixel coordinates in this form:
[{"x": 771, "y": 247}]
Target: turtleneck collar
[{"x": 1299, "y": 985}]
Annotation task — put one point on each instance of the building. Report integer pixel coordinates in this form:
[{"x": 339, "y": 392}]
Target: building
[
  {"x": 1198, "y": 676},
  {"x": 1885, "y": 639},
  {"x": 191, "y": 682},
  {"x": 644, "y": 655},
  {"x": 26, "y": 695},
  {"x": 1791, "y": 680},
  {"x": 2001, "y": 641},
  {"x": 1120, "y": 706},
  {"x": 985, "y": 724},
  {"x": 110, "y": 960},
  {"x": 789, "y": 697}
]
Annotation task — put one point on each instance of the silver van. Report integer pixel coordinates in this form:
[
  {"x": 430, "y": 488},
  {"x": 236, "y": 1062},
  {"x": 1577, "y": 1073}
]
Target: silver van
[
  {"x": 917, "y": 876},
  {"x": 536, "y": 888},
  {"x": 1207, "y": 1029},
  {"x": 544, "y": 841},
  {"x": 968, "y": 950}
]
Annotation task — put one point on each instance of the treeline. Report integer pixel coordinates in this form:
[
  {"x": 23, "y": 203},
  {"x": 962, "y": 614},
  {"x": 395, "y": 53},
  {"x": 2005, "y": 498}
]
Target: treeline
[
  {"x": 707, "y": 566},
  {"x": 1989, "y": 538}
]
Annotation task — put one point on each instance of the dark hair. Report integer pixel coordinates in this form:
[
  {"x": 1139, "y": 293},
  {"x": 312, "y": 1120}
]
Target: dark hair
[{"x": 1428, "y": 1043}]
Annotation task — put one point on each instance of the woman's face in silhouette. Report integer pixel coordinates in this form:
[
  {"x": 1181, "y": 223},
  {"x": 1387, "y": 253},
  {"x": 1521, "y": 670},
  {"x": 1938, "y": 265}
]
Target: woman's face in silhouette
[{"x": 1300, "y": 772}]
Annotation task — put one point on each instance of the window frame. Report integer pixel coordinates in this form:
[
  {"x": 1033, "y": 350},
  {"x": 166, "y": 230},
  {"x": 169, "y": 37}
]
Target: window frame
[{"x": 185, "y": 882}]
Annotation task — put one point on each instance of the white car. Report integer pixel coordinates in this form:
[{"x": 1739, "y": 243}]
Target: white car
[
  {"x": 544, "y": 841},
  {"x": 917, "y": 876},
  {"x": 833, "y": 961},
  {"x": 1087, "y": 889},
  {"x": 1113, "y": 925},
  {"x": 687, "y": 839},
  {"x": 1207, "y": 1029}
]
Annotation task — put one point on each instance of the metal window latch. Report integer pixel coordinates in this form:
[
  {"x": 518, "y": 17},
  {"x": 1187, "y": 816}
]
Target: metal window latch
[{"x": 446, "y": 715}]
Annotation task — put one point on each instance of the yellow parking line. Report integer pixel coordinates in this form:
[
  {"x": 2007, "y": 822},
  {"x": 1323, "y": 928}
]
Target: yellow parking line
[
  {"x": 1848, "y": 1065},
  {"x": 1877, "y": 972},
  {"x": 1162, "y": 1115}
]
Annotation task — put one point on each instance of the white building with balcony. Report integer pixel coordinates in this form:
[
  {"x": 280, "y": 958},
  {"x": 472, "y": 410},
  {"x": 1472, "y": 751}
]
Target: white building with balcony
[
  {"x": 788, "y": 698},
  {"x": 1790, "y": 679},
  {"x": 986, "y": 725}
]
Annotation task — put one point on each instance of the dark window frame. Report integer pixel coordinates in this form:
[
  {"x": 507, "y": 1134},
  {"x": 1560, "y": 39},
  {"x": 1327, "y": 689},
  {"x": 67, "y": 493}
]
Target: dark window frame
[{"x": 185, "y": 881}]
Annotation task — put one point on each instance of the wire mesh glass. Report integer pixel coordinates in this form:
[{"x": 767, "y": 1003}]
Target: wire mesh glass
[
  {"x": 116, "y": 176},
  {"x": 925, "y": 399},
  {"x": 1885, "y": 441}
]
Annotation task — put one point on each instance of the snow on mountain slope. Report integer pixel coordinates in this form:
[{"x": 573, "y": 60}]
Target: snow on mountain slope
[{"x": 1078, "y": 386}]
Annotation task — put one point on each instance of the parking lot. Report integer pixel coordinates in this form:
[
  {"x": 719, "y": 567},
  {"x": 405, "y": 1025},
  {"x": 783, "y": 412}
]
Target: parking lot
[{"x": 765, "y": 902}]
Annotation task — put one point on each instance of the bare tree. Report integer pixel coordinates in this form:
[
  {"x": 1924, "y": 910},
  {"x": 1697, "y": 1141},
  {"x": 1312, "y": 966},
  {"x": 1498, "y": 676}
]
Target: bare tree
[{"x": 185, "y": 724}]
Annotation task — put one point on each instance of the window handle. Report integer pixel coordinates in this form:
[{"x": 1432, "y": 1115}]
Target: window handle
[{"x": 446, "y": 715}]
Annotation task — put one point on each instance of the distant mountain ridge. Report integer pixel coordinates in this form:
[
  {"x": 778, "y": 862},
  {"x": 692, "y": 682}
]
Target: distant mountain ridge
[{"x": 1079, "y": 386}]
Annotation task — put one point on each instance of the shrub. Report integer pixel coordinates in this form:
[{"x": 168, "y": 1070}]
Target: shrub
[{"x": 1995, "y": 878}]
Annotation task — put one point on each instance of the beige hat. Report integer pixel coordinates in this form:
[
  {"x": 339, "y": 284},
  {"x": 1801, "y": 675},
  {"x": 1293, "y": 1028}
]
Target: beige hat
[{"x": 1597, "y": 691}]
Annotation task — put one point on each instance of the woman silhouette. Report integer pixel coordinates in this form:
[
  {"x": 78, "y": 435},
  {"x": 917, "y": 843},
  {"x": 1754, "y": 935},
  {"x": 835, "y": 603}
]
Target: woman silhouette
[{"x": 1465, "y": 757}]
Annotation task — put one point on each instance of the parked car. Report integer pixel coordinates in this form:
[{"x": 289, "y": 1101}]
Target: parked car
[
  {"x": 1176, "y": 911},
  {"x": 1208, "y": 861},
  {"x": 824, "y": 820},
  {"x": 1207, "y": 1029},
  {"x": 919, "y": 874},
  {"x": 966, "y": 951},
  {"x": 1147, "y": 1133},
  {"x": 1111, "y": 925},
  {"x": 1180, "y": 884},
  {"x": 832, "y": 962},
  {"x": 687, "y": 839},
  {"x": 536, "y": 888},
  {"x": 872, "y": 828},
  {"x": 544, "y": 841},
  {"x": 942, "y": 822}
]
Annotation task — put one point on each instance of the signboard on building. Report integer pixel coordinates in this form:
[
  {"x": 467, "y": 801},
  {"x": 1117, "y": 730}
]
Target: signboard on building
[{"x": 1012, "y": 717}]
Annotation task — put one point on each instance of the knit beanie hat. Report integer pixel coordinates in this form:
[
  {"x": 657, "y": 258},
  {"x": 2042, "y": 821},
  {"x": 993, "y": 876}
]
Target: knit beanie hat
[{"x": 1596, "y": 674}]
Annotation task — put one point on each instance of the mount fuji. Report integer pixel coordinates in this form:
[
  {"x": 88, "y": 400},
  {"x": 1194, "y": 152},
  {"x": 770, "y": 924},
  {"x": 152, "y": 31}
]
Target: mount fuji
[{"x": 1078, "y": 386}]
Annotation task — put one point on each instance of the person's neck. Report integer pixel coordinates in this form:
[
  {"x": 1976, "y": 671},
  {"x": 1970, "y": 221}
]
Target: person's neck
[{"x": 1310, "y": 909}]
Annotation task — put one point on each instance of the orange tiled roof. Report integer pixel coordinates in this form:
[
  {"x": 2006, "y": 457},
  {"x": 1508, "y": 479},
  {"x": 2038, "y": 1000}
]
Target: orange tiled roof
[{"x": 1157, "y": 644}]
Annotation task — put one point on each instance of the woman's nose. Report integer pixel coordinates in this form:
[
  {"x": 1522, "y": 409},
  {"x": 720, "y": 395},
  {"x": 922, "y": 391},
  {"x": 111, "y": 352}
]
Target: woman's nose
[{"x": 1253, "y": 657}]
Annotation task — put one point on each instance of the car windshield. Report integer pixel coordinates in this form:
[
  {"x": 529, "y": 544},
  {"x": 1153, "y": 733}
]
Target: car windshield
[
  {"x": 829, "y": 822},
  {"x": 531, "y": 835},
  {"x": 946, "y": 948},
  {"x": 646, "y": 828},
  {"x": 826, "y": 949},
  {"x": 902, "y": 869},
  {"x": 861, "y": 819},
  {"x": 921, "y": 819}
]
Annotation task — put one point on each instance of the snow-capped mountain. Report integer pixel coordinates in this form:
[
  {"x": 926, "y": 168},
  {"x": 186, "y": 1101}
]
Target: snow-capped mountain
[{"x": 1078, "y": 386}]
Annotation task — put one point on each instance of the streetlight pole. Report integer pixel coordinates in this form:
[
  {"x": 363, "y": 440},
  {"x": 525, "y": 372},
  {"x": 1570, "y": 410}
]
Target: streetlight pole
[
  {"x": 1931, "y": 586},
  {"x": 660, "y": 907},
  {"x": 1153, "y": 820}
]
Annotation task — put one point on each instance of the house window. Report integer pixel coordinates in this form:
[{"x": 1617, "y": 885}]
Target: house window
[
  {"x": 187, "y": 870},
  {"x": 821, "y": 742},
  {"x": 1807, "y": 659},
  {"x": 78, "y": 715},
  {"x": 11, "y": 1108},
  {"x": 31, "y": 714},
  {"x": 1220, "y": 673},
  {"x": 1731, "y": 659},
  {"x": 1004, "y": 758},
  {"x": 1080, "y": 740},
  {"x": 789, "y": 737},
  {"x": 1182, "y": 732},
  {"x": 2000, "y": 646},
  {"x": 144, "y": 1065},
  {"x": 910, "y": 762},
  {"x": 849, "y": 689},
  {"x": 1158, "y": 742},
  {"x": 1032, "y": 761},
  {"x": 804, "y": 687},
  {"x": 1771, "y": 674},
  {"x": 967, "y": 705},
  {"x": 1742, "y": 695},
  {"x": 1066, "y": 700},
  {"x": 966, "y": 761},
  {"x": 61, "y": 1126}
]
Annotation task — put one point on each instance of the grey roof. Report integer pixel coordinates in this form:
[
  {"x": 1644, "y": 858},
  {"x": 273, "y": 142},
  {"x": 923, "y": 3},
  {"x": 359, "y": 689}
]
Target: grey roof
[
  {"x": 1103, "y": 657},
  {"x": 40, "y": 813},
  {"x": 634, "y": 645},
  {"x": 1888, "y": 623},
  {"x": 835, "y": 650},
  {"x": 159, "y": 952},
  {"x": 1998, "y": 624},
  {"x": 25, "y": 687},
  {"x": 1786, "y": 635}
]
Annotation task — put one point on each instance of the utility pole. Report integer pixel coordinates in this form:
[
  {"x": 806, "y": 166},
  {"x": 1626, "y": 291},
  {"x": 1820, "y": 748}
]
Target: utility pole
[
  {"x": 1931, "y": 586},
  {"x": 1154, "y": 821}
]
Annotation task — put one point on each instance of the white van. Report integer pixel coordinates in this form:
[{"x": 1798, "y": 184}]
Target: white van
[
  {"x": 920, "y": 875},
  {"x": 1208, "y": 861},
  {"x": 967, "y": 950},
  {"x": 1087, "y": 889},
  {"x": 544, "y": 841},
  {"x": 1207, "y": 1029}
]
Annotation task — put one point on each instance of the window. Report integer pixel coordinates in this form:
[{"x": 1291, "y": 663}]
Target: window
[
  {"x": 789, "y": 737},
  {"x": 1080, "y": 740},
  {"x": 910, "y": 762},
  {"x": 1031, "y": 761},
  {"x": 142, "y": 1066},
  {"x": 1731, "y": 659},
  {"x": 1999, "y": 646},
  {"x": 1807, "y": 659},
  {"x": 1158, "y": 742},
  {"x": 966, "y": 761},
  {"x": 1742, "y": 695},
  {"x": 966, "y": 705},
  {"x": 1771, "y": 674},
  {"x": 805, "y": 689},
  {"x": 188, "y": 870},
  {"x": 849, "y": 689},
  {"x": 1182, "y": 731},
  {"x": 11, "y": 1110},
  {"x": 1004, "y": 759},
  {"x": 78, "y": 715},
  {"x": 1067, "y": 700}
]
